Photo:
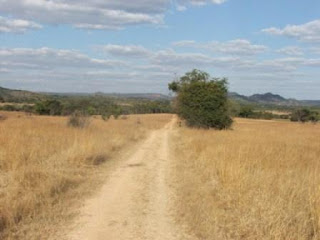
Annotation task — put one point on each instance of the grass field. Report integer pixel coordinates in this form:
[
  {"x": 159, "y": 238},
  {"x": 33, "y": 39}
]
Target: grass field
[
  {"x": 260, "y": 180},
  {"x": 43, "y": 162}
]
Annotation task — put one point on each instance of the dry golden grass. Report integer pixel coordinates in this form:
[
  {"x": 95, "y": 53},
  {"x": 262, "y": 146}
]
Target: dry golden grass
[
  {"x": 258, "y": 181},
  {"x": 278, "y": 112},
  {"x": 15, "y": 104},
  {"x": 42, "y": 161}
]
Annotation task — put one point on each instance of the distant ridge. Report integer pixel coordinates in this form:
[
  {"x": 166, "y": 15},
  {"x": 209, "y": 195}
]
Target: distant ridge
[
  {"x": 271, "y": 99},
  {"x": 9, "y": 95},
  {"x": 267, "y": 97}
]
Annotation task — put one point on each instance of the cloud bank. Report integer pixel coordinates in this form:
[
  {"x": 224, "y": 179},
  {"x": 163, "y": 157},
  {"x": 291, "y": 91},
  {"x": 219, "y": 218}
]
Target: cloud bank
[
  {"x": 308, "y": 32},
  {"x": 95, "y": 14},
  {"x": 8, "y": 25}
]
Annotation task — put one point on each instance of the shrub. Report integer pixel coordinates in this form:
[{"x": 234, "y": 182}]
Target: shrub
[
  {"x": 246, "y": 112},
  {"x": 11, "y": 107},
  {"x": 78, "y": 120},
  {"x": 304, "y": 115},
  {"x": 202, "y": 101},
  {"x": 106, "y": 116},
  {"x": 116, "y": 112},
  {"x": 49, "y": 107}
]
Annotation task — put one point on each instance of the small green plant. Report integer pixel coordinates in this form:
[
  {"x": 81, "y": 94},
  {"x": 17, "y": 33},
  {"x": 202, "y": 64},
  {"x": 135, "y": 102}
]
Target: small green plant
[{"x": 78, "y": 120}]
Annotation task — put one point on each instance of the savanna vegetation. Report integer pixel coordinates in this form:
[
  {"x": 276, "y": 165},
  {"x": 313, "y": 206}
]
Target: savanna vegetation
[
  {"x": 46, "y": 165},
  {"x": 259, "y": 181},
  {"x": 294, "y": 114},
  {"x": 90, "y": 105},
  {"x": 305, "y": 115}
]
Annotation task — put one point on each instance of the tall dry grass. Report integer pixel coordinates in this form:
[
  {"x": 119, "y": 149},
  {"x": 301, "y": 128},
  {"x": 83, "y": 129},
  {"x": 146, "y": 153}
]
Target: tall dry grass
[
  {"x": 42, "y": 161},
  {"x": 258, "y": 181}
]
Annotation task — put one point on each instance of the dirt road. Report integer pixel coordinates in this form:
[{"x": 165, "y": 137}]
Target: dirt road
[{"x": 136, "y": 202}]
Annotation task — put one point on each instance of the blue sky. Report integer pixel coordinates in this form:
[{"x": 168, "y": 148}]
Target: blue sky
[{"x": 141, "y": 45}]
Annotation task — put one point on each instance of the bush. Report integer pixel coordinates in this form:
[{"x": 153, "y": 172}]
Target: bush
[
  {"x": 49, "y": 107},
  {"x": 304, "y": 115},
  {"x": 246, "y": 112},
  {"x": 78, "y": 120},
  {"x": 116, "y": 112},
  {"x": 202, "y": 101},
  {"x": 11, "y": 108},
  {"x": 106, "y": 116}
]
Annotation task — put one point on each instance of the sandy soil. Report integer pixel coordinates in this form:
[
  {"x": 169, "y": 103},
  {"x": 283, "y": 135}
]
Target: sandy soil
[{"x": 137, "y": 201}]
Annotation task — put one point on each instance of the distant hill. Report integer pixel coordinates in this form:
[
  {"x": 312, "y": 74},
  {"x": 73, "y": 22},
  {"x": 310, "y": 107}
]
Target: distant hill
[
  {"x": 271, "y": 99},
  {"x": 267, "y": 97},
  {"x": 8, "y": 95}
]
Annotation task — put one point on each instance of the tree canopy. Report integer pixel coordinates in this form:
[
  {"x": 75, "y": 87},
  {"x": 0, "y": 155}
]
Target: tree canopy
[{"x": 201, "y": 100}]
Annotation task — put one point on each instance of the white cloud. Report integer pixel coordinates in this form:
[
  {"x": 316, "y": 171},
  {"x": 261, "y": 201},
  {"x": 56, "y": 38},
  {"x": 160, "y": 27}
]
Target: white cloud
[
  {"x": 308, "y": 32},
  {"x": 314, "y": 50},
  {"x": 233, "y": 47},
  {"x": 291, "y": 51},
  {"x": 70, "y": 70},
  {"x": 4, "y": 70},
  {"x": 51, "y": 58},
  {"x": 8, "y": 25},
  {"x": 170, "y": 57},
  {"x": 181, "y": 8},
  {"x": 200, "y": 2},
  {"x": 125, "y": 50},
  {"x": 184, "y": 43},
  {"x": 94, "y": 14},
  {"x": 312, "y": 62}
]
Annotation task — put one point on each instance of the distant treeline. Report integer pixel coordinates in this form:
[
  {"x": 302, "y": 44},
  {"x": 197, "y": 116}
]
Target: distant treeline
[
  {"x": 295, "y": 115},
  {"x": 106, "y": 106},
  {"x": 91, "y": 105}
]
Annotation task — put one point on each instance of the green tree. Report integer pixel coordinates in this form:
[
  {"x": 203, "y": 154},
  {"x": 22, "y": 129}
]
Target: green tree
[
  {"x": 49, "y": 107},
  {"x": 201, "y": 100},
  {"x": 246, "y": 111},
  {"x": 314, "y": 117},
  {"x": 304, "y": 115}
]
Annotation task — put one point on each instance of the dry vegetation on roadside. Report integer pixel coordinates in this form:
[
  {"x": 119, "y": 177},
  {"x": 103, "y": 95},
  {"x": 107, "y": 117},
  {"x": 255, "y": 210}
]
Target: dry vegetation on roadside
[
  {"x": 258, "y": 181},
  {"x": 43, "y": 162}
]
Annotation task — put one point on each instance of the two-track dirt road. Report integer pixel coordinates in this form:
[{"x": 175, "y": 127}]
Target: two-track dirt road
[{"x": 136, "y": 202}]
